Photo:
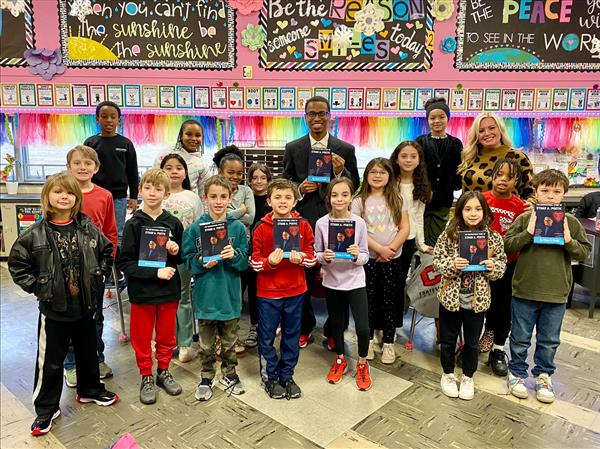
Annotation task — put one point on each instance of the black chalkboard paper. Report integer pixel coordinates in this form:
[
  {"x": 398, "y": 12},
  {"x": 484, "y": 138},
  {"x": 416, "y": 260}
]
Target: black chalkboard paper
[{"x": 17, "y": 35}]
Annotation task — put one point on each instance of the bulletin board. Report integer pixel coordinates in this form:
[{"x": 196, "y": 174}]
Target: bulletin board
[{"x": 16, "y": 33}]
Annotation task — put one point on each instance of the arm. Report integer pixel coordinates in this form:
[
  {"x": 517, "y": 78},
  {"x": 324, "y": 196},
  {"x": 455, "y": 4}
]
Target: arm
[
  {"x": 526, "y": 190},
  {"x": 442, "y": 259},
  {"x": 403, "y": 232},
  {"x": 109, "y": 225},
  {"x": 189, "y": 252},
  {"x": 259, "y": 259},
  {"x": 498, "y": 257},
  {"x": 420, "y": 233},
  {"x": 307, "y": 243},
  {"x": 132, "y": 172},
  {"x": 517, "y": 236},
  {"x": 177, "y": 238},
  {"x": 240, "y": 259},
  {"x": 579, "y": 247},
  {"x": 248, "y": 217},
  {"x": 128, "y": 259},
  {"x": 20, "y": 265},
  {"x": 362, "y": 242},
  {"x": 320, "y": 244}
]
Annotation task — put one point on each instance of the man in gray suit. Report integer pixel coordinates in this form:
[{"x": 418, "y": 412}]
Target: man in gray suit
[{"x": 312, "y": 203}]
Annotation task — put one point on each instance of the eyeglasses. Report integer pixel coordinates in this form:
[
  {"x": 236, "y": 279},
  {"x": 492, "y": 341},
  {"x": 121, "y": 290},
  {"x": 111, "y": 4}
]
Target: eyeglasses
[
  {"x": 320, "y": 114},
  {"x": 378, "y": 172}
]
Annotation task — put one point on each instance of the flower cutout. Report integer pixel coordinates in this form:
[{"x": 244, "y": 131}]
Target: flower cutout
[
  {"x": 369, "y": 20},
  {"x": 81, "y": 9},
  {"x": 15, "y": 7},
  {"x": 448, "y": 45},
  {"x": 44, "y": 62},
  {"x": 253, "y": 37},
  {"x": 342, "y": 37},
  {"x": 442, "y": 9},
  {"x": 246, "y": 7}
]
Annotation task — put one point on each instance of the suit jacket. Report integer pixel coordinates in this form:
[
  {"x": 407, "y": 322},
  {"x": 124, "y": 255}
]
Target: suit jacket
[{"x": 295, "y": 168}]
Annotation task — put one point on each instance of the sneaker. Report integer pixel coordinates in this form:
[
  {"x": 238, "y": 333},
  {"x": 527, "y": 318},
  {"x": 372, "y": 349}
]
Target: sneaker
[
  {"x": 448, "y": 384},
  {"x": 544, "y": 392},
  {"x": 252, "y": 338},
  {"x": 233, "y": 384},
  {"x": 338, "y": 369},
  {"x": 363, "y": 377},
  {"x": 292, "y": 390},
  {"x": 165, "y": 381},
  {"x": 71, "y": 377},
  {"x": 389, "y": 354},
  {"x": 303, "y": 342},
  {"x": 105, "y": 370},
  {"x": 103, "y": 398},
  {"x": 43, "y": 424},
  {"x": 467, "y": 388},
  {"x": 330, "y": 344},
  {"x": 239, "y": 347},
  {"x": 204, "y": 390},
  {"x": 148, "y": 390},
  {"x": 497, "y": 361},
  {"x": 274, "y": 389},
  {"x": 371, "y": 353},
  {"x": 516, "y": 386},
  {"x": 186, "y": 354},
  {"x": 378, "y": 340},
  {"x": 486, "y": 343}
]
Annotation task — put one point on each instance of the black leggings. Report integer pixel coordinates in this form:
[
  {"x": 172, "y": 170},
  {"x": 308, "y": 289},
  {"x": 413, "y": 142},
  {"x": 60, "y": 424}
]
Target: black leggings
[
  {"x": 337, "y": 305},
  {"x": 497, "y": 317},
  {"x": 385, "y": 298},
  {"x": 450, "y": 324}
]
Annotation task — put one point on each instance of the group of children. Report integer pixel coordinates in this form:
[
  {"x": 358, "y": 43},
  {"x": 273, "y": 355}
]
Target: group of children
[{"x": 62, "y": 260}]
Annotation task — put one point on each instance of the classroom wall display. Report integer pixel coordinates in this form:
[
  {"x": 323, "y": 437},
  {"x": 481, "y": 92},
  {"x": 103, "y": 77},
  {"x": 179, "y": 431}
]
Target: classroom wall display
[
  {"x": 382, "y": 35},
  {"x": 17, "y": 32},
  {"x": 148, "y": 34},
  {"x": 528, "y": 35}
]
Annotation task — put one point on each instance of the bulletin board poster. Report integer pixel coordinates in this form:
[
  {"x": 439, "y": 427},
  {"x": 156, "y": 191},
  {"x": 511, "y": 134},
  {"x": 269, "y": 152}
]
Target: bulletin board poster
[
  {"x": 378, "y": 35},
  {"x": 148, "y": 34},
  {"x": 555, "y": 35},
  {"x": 27, "y": 216},
  {"x": 16, "y": 32}
]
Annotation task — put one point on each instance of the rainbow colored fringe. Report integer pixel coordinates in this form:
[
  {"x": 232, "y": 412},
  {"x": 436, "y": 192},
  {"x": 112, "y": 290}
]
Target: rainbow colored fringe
[{"x": 568, "y": 135}]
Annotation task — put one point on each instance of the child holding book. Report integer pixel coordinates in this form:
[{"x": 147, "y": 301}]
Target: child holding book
[
  {"x": 540, "y": 287},
  {"x": 344, "y": 280},
  {"x": 506, "y": 207},
  {"x": 98, "y": 205},
  {"x": 281, "y": 288},
  {"x": 465, "y": 296},
  {"x": 62, "y": 260},
  {"x": 185, "y": 205},
  {"x": 217, "y": 288},
  {"x": 154, "y": 291}
]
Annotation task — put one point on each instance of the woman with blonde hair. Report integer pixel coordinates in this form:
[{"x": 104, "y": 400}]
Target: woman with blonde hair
[{"x": 488, "y": 142}]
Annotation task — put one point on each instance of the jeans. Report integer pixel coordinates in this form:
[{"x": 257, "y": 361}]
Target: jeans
[
  {"x": 547, "y": 318},
  {"x": 272, "y": 312},
  {"x": 120, "y": 214}
]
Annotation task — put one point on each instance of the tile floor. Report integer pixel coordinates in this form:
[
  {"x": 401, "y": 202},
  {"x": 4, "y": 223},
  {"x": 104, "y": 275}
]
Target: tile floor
[{"x": 404, "y": 409}]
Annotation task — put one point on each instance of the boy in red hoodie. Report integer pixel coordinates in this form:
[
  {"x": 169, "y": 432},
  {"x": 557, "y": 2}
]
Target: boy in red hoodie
[{"x": 281, "y": 287}]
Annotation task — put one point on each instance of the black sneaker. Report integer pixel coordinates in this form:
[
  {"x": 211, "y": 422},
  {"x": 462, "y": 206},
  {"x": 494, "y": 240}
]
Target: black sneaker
[
  {"x": 274, "y": 389},
  {"x": 104, "y": 398},
  {"x": 43, "y": 424},
  {"x": 292, "y": 390},
  {"x": 497, "y": 361}
]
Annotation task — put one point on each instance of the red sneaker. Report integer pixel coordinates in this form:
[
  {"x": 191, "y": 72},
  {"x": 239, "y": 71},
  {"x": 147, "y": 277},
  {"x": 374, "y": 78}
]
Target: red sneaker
[
  {"x": 363, "y": 377},
  {"x": 338, "y": 369},
  {"x": 303, "y": 343},
  {"x": 331, "y": 344}
]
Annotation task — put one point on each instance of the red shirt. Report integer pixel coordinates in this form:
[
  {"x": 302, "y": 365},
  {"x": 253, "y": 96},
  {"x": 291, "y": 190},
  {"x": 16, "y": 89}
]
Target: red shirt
[
  {"x": 506, "y": 211},
  {"x": 99, "y": 206}
]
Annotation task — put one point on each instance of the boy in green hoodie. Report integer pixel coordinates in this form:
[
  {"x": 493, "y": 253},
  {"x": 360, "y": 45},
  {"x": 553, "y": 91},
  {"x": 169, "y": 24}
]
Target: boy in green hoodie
[{"x": 217, "y": 288}]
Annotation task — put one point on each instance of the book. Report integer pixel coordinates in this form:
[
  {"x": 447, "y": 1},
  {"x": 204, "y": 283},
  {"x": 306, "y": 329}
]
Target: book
[
  {"x": 549, "y": 224},
  {"x": 341, "y": 236},
  {"x": 319, "y": 165},
  {"x": 286, "y": 235},
  {"x": 153, "y": 247},
  {"x": 213, "y": 239},
  {"x": 473, "y": 246}
]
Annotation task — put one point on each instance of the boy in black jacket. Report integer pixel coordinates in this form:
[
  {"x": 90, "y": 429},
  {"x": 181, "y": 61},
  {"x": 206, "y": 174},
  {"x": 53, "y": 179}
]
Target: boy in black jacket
[{"x": 154, "y": 291}]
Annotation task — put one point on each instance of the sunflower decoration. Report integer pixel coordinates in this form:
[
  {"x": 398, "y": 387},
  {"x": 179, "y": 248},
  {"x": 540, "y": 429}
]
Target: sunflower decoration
[{"x": 442, "y": 9}]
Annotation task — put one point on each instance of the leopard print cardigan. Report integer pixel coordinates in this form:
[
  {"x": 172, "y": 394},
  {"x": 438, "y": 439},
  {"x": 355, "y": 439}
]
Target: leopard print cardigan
[{"x": 444, "y": 254}]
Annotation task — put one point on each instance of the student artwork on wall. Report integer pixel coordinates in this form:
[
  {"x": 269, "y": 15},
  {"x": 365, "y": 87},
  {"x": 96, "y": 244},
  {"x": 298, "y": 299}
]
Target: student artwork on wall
[
  {"x": 10, "y": 97},
  {"x": 133, "y": 96},
  {"x": 148, "y": 34},
  {"x": 302, "y": 95},
  {"x": 458, "y": 99},
  {"x": 45, "y": 95},
  {"x": 338, "y": 98},
  {"x": 345, "y": 35},
  {"x": 97, "y": 94},
  {"x": 236, "y": 98},
  {"x": 525, "y": 35},
  {"x": 509, "y": 99},
  {"x": 185, "y": 97},
  {"x": 287, "y": 98},
  {"x": 149, "y": 97},
  {"x": 201, "y": 97},
  {"x": 80, "y": 94},
  {"x": 27, "y": 95},
  {"x": 356, "y": 98},
  {"x": 17, "y": 32},
  {"x": 253, "y": 98},
  {"x": 114, "y": 93},
  {"x": 407, "y": 99},
  {"x": 62, "y": 95}
]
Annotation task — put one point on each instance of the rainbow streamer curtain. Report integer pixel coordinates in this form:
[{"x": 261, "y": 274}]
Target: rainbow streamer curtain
[{"x": 567, "y": 134}]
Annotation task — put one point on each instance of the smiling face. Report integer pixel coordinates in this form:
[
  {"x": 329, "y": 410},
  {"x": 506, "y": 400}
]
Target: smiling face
[
  {"x": 438, "y": 121},
  {"x": 83, "y": 168},
  {"x": 472, "y": 213},
  {"x": 153, "y": 195},
  {"x": 176, "y": 172},
  {"x": 108, "y": 119},
  {"x": 378, "y": 177},
  {"x": 282, "y": 201},
  {"x": 233, "y": 170},
  {"x": 259, "y": 182},
  {"x": 340, "y": 198},
  {"x": 317, "y": 118},
  {"x": 217, "y": 199},
  {"x": 408, "y": 159},
  {"x": 61, "y": 200},
  {"x": 489, "y": 135},
  {"x": 191, "y": 137}
]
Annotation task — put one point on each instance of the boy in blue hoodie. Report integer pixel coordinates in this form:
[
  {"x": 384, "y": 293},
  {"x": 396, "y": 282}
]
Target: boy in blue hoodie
[{"x": 218, "y": 290}]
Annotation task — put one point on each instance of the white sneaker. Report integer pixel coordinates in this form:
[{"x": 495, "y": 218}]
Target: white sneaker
[
  {"x": 186, "y": 354},
  {"x": 467, "y": 388},
  {"x": 448, "y": 383},
  {"x": 371, "y": 353},
  {"x": 389, "y": 355},
  {"x": 516, "y": 386},
  {"x": 377, "y": 340},
  {"x": 543, "y": 388}
]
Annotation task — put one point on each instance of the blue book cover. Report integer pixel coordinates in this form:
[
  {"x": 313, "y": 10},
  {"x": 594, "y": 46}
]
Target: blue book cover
[
  {"x": 341, "y": 236},
  {"x": 319, "y": 165},
  {"x": 153, "y": 247},
  {"x": 213, "y": 239},
  {"x": 286, "y": 235},
  {"x": 549, "y": 224},
  {"x": 473, "y": 246}
]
